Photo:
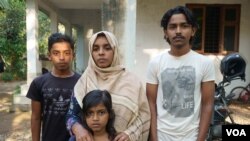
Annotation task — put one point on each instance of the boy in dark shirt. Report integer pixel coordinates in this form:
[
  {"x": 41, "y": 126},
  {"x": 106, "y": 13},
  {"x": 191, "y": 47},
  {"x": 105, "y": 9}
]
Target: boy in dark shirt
[{"x": 50, "y": 93}]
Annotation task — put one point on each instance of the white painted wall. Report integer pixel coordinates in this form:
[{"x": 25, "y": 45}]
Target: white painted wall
[
  {"x": 149, "y": 34},
  {"x": 90, "y": 21}
]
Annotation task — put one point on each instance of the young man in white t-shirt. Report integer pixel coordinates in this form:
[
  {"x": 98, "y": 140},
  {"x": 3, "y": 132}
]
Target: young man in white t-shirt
[{"x": 180, "y": 83}]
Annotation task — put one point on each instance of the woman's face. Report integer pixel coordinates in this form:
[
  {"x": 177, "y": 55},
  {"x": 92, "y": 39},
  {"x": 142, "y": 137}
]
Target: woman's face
[
  {"x": 102, "y": 52},
  {"x": 97, "y": 118}
]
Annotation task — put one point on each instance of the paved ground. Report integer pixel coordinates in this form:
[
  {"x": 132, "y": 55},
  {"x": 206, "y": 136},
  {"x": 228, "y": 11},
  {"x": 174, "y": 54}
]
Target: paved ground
[{"x": 14, "y": 126}]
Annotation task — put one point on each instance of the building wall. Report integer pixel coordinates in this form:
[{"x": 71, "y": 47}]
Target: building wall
[
  {"x": 149, "y": 34},
  {"x": 90, "y": 22}
]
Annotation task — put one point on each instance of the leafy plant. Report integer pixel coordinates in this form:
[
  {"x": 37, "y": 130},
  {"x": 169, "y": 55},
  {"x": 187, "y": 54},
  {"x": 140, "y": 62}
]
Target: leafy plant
[
  {"x": 7, "y": 76},
  {"x": 13, "y": 38},
  {"x": 4, "y": 4},
  {"x": 44, "y": 32}
]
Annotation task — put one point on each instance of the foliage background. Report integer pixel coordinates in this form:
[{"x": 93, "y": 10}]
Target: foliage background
[{"x": 13, "y": 38}]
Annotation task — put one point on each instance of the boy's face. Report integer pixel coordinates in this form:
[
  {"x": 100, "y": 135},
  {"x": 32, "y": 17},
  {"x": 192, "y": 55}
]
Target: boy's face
[
  {"x": 61, "y": 55},
  {"x": 97, "y": 118},
  {"x": 179, "y": 31}
]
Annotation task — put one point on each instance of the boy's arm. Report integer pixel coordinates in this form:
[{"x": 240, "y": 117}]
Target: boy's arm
[
  {"x": 207, "y": 90},
  {"x": 36, "y": 120},
  {"x": 151, "y": 90}
]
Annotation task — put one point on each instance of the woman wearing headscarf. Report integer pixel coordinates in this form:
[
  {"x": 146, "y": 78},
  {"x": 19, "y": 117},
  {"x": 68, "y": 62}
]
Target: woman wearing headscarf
[{"x": 106, "y": 72}]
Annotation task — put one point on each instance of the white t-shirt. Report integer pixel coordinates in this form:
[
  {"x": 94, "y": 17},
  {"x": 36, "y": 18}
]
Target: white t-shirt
[{"x": 179, "y": 94}]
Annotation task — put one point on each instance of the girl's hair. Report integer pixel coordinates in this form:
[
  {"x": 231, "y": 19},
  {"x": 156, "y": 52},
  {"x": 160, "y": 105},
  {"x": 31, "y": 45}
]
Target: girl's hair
[{"x": 93, "y": 98}]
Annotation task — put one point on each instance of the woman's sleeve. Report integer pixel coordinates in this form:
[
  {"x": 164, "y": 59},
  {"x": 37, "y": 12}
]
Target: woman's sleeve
[{"x": 74, "y": 114}]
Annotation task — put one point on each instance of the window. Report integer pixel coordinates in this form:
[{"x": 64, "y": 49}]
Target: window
[{"x": 218, "y": 31}]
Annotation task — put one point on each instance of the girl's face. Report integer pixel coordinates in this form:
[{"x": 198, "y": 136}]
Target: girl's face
[
  {"x": 97, "y": 118},
  {"x": 102, "y": 52}
]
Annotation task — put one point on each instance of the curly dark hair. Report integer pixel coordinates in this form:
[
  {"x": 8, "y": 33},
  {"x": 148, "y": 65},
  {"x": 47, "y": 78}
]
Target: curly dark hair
[
  {"x": 179, "y": 10},
  {"x": 94, "y": 98}
]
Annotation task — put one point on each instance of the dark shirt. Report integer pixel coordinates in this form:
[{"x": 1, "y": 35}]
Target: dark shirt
[{"x": 54, "y": 93}]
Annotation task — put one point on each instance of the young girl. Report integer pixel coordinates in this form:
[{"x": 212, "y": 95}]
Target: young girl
[{"x": 98, "y": 115}]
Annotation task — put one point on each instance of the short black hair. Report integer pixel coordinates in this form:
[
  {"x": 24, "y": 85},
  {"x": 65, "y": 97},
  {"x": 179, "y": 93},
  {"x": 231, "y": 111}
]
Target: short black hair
[
  {"x": 59, "y": 37},
  {"x": 179, "y": 10},
  {"x": 93, "y": 98}
]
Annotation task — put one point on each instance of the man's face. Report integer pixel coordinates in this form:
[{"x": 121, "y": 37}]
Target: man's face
[
  {"x": 61, "y": 55},
  {"x": 102, "y": 52},
  {"x": 179, "y": 31}
]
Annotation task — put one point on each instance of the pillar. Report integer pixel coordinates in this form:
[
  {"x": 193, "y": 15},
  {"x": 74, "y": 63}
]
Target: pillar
[
  {"x": 33, "y": 63},
  {"x": 54, "y": 22},
  {"x": 80, "y": 51},
  {"x": 119, "y": 17}
]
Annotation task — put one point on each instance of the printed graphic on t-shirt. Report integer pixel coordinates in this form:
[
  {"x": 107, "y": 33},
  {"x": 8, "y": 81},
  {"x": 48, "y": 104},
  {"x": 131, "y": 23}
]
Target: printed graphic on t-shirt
[
  {"x": 56, "y": 100},
  {"x": 178, "y": 90}
]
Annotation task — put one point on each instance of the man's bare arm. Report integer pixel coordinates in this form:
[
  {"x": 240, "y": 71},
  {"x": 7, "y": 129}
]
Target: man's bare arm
[{"x": 151, "y": 90}]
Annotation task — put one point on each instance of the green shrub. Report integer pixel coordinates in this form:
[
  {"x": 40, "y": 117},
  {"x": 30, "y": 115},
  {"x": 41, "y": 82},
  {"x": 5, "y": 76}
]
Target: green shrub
[{"x": 6, "y": 76}]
